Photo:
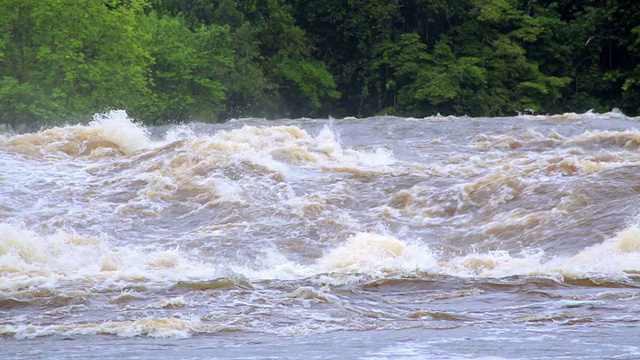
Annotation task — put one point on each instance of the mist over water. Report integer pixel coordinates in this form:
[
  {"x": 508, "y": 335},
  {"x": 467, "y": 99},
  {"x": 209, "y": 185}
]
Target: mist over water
[{"x": 410, "y": 235}]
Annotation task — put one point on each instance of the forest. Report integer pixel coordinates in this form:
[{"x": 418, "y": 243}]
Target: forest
[{"x": 173, "y": 61}]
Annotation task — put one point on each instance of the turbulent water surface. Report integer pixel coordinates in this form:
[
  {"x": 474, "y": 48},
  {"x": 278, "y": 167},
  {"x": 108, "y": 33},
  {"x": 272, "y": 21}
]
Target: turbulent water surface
[{"x": 436, "y": 238}]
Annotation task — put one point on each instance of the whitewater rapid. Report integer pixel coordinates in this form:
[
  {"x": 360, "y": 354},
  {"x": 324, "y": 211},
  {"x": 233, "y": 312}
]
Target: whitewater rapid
[{"x": 285, "y": 227}]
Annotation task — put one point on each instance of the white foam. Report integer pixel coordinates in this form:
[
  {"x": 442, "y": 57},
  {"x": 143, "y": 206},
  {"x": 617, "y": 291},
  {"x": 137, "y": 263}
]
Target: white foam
[
  {"x": 376, "y": 254},
  {"x": 273, "y": 265},
  {"x": 29, "y": 259},
  {"x": 179, "y": 132},
  {"x": 151, "y": 327},
  {"x": 117, "y": 127},
  {"x": 278, "y": 146},
  {"x": 108, "y": 134},
  {"x": 612, "y": 258},
  {"x": 380, "y": 255}
]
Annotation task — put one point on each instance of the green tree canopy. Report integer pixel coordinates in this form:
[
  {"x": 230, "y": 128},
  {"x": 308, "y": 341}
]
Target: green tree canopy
[
  {"x": 209, "y": 60},
  {"x": 64, "y": 58}
]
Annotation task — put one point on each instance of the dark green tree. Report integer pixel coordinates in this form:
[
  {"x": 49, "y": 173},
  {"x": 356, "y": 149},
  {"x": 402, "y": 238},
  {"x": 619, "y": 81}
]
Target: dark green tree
[{"x": 273, "y": 72}]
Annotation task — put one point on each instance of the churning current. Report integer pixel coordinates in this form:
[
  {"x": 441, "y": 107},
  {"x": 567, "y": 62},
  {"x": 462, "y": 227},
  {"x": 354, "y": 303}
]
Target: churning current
[{"x": 377, "y": 238}]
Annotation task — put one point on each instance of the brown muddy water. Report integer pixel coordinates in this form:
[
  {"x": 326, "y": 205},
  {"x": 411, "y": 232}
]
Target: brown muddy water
[{"x": 378, "y": 238}]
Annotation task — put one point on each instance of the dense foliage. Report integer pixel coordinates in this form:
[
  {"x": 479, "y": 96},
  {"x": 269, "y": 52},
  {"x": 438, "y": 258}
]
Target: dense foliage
[{"x": 176, "y": 60}]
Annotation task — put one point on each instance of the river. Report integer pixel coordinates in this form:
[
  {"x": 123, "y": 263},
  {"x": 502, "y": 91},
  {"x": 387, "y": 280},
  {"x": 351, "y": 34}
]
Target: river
[{"x": 377, "y": 238}]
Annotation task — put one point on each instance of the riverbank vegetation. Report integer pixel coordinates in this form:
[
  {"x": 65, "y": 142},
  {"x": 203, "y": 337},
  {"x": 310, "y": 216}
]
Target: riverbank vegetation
[{"x": 167, "y": 61}]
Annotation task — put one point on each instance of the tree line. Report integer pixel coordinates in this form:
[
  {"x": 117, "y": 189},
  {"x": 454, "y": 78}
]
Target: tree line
[{"x": 168, "y": 61}]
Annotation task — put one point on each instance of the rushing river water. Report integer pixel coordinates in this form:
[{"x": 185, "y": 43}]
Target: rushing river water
[{"x": 379, "y": 238}]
